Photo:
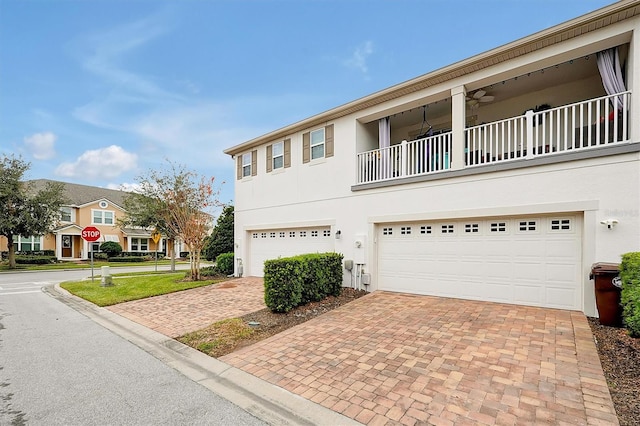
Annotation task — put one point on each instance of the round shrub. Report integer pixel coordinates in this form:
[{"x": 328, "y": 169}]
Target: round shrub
[
  {"x": 224, "y": 263},
  {"x": 112, "y": 248}
]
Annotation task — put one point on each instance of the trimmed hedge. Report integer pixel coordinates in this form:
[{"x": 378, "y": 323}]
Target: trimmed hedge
[
  {"x": 51, "y": 253},
  {"x": 283, "y": 280},
  {"x": 298, "y": 280},
  {"x": 207, "y": 271},
  {"x": 224, "y": 263},
  {"x": 35, "y": 260},
  {"x": 630, "y": 296}
]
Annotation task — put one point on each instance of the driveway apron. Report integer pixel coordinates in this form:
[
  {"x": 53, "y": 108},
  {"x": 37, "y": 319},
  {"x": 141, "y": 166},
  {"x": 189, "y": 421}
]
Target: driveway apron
[
  {"x": 391, "y": 358},
  {"x": 178, "y": 313}
]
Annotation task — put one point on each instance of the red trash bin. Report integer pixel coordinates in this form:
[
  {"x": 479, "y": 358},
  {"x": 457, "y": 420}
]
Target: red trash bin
[{"x": 607, "y": 287}]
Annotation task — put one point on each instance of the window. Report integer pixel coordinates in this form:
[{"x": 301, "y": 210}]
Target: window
[
  {"x": 405, "y": 230},
  {"x": 272, "y": 234},
  {"x": 560, "y": 224},
  {"x": 498, "y": 226},
  {"x": 292, "y": 234},
  {"x": 246, "y": 164},
  {"x": 27, "y": 243},
  {"x": 263, "y": 235},
  {"x": 94, "y": 247},
  {"x": 447, "y": 229},
  {"x": 65, "y": 214},
  {"x": 314, "y": 233},
  {"x": 254, "y": 235},
  {"x": 425, "y": 229},
  {"x": 387, "y": 231},
  {"x": 326, "y": 233},
  {"x": 527, "y": 225},
  {"x": 317, "y": 144},
  {"x": 102, "y": 217},
  {"x": 303, "y": 234},
  {"x": 471, "y": 228},
  {"x": 278, "y": 155},
  {"x": 139, "y": 244},
  {"x": 282, "y": 234}
]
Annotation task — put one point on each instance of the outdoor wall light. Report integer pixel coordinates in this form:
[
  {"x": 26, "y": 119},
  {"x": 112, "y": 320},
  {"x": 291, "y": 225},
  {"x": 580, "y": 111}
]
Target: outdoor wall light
[
  {"x": 338, "y": 234},
  {"x": 609, "y": 223}
]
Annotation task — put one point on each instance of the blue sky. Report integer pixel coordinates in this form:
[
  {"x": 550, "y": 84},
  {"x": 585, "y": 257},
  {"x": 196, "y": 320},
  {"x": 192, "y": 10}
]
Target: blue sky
[{"x": 101, "y": 91}]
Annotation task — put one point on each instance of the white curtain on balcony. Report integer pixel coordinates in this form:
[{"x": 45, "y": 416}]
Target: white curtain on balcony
[
  {"x": 384, "y": 141},
  {"x": 611, "y": 73}
]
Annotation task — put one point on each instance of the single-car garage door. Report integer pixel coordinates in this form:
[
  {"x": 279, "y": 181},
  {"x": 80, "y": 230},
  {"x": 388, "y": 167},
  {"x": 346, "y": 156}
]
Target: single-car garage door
[
  {"x": 522, "y": 260},
  {"x": 275, "y": 243}
]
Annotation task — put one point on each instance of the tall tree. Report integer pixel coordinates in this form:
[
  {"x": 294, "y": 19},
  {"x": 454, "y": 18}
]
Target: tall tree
[
  {"x": 221, "y": 239},
  {"x": 180, "y": 200},
  {"x": 24, "y": 211}
]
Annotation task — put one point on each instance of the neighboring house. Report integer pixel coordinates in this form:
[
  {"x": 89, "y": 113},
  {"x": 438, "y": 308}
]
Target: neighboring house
[
  {"x": 502, "y": 177},
  {"x": 87, "y": 206}
]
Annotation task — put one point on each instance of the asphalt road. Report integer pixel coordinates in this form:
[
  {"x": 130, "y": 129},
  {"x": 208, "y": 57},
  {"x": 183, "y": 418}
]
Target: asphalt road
[{"x": 58, "y": 367}]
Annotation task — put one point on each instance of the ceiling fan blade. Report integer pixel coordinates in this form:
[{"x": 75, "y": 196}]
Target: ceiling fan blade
[
  {"x": 472, "y": 102},
  {"x": 480, "y": 93},
  {"x": 487, "y": 98}
]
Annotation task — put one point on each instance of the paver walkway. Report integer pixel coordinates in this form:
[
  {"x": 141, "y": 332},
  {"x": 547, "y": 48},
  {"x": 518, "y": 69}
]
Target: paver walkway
[
  {"x": 388, "y": 359},
  {"x": 178, "y": 313}
]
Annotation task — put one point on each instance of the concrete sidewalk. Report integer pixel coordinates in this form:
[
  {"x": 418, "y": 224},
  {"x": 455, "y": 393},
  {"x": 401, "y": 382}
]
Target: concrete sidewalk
[{"x": 267, "y": 402}]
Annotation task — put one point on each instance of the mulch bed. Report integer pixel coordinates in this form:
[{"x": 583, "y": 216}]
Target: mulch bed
[{"x": 620, "y": 358}]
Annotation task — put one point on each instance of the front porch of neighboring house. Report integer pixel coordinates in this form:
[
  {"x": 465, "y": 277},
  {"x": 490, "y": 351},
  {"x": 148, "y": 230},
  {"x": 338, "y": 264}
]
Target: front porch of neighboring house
[{"x": 577, "y": 105}]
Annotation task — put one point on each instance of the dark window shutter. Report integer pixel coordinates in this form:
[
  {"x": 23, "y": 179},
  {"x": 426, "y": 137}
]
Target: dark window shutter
[
  {"x": 328, "y": 141},
  {"x": 239, "y": 173},
  {"x": 306, "y": 147},
  {"x": 269, "y": 158},
  {"x": 287, "y": 152},
  {"x": 254, "y": 163}
]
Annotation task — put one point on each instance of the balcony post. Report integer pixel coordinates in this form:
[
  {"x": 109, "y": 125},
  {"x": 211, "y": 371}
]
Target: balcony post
[
  {"x": 528, "y": 122},
  {"x": 403, "y": 158},
  {"x": 634, "y": 87},
  {"x": 458, "y": 121}
]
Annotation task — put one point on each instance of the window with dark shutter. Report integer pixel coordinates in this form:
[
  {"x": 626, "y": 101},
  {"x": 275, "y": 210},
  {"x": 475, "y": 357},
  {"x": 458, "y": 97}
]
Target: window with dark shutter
[{"x": 306, "y": 147}]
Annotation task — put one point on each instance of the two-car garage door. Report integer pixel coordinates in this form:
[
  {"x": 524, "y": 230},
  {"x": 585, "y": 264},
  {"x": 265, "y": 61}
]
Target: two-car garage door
[
  {"x": 275, "y": 243},
  {"x": 522, "y": 260}
]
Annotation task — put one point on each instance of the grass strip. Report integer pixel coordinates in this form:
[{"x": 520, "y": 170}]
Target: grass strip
[{"x": 131, "y": 288}]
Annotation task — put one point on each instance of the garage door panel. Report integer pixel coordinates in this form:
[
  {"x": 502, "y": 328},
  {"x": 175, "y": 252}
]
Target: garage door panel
[
  {"x": 532, "y": 261},
  {"x": 277, "y": 243}
]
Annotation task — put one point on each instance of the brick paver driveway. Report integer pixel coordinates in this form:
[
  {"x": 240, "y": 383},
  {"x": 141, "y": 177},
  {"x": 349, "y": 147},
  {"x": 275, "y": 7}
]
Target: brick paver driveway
[
  {"x": 401, "y": 359},
  {"x": 178, "y": 313}
]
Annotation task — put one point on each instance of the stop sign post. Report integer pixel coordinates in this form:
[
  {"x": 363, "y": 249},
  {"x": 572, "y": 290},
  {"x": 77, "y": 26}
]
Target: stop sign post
[{"x": 91, "y": 234}]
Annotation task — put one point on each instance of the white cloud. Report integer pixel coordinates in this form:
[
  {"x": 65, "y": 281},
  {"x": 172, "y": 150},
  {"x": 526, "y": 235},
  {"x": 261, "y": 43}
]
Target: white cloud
[
  {"x": 128, "y": 187},
  {"x": 41, "y": 145},
  {"x": 358, "y": 59},
  {"x": 107, "y": 163}
]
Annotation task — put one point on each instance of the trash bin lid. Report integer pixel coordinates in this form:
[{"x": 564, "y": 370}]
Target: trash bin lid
[{"x": 605, "y": 268}]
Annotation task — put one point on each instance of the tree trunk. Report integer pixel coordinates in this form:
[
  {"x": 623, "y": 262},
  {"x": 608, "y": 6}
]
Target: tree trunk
[
  {"x": 12, "y": 252},
  {"x": 172, "y": 254}
]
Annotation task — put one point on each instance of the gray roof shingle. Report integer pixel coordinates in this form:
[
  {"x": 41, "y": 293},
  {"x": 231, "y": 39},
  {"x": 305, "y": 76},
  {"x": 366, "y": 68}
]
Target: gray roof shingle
[{"x": 78, "y": 195}]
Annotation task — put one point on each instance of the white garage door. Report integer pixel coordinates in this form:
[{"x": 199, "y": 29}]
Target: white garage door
[
  {"x": 526, "y": 260},
  {"x": 275, "y": 243}
]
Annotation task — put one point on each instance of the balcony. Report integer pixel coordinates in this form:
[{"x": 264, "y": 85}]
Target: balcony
[{"x": 581, "y": 126}]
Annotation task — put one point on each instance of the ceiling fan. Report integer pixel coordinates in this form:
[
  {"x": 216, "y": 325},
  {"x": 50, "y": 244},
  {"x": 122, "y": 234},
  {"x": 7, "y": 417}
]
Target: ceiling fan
[{"x": 479, "y": 96}]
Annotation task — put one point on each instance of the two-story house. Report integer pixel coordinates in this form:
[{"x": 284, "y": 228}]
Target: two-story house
[
  {"x": 87, "y": 206},
  {"x": 502, "y": 177}
]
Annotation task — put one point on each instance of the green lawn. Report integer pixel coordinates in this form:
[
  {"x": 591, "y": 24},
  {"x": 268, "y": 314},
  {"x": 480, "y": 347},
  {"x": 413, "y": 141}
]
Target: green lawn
[
  {"x": 131, "y": 288},
  {"x": 4, "y": 266}
]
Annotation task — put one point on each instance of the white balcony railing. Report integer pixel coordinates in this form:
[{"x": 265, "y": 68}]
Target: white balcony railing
[
  {"x": 580, "y": 126},
  {"x": 417, "y": 157}
]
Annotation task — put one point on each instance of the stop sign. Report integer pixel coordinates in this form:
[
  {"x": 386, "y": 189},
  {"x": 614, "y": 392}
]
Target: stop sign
[{"x": 91, "y": 233}]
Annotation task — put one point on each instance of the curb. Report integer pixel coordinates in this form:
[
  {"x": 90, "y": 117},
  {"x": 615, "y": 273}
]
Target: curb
[{"x": 270, "y": 403}]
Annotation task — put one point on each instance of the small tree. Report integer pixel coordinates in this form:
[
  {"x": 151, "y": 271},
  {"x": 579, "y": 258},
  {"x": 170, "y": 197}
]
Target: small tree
[
  {"x": 24, "y": 211},
  {"x": 178, "y": 201},
  {"x": 111, "y": 248},
  {"x": 221, "y": 239}
]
